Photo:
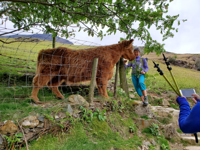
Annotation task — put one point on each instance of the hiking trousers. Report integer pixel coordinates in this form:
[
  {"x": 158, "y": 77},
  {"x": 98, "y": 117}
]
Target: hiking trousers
[{"x": 139, "y": 83}]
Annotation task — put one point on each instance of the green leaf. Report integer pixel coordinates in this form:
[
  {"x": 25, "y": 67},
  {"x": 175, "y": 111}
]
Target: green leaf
[
  {"x": 19, "y": 135},
  {"x": 178, "y": 22}
]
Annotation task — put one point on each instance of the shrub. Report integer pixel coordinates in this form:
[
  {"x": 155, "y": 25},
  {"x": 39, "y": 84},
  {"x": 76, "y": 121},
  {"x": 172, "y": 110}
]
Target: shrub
[
  {"x": 172, "y": 60},
  {"x": 197, "y": 64}
]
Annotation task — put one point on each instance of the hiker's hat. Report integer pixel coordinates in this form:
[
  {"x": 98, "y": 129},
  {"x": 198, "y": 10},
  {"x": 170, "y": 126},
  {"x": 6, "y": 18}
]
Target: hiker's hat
[{"x": 136, "y": 49}]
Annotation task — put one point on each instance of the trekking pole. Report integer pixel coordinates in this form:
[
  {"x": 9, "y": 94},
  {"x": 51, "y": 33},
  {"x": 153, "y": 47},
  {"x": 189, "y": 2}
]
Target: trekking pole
[
  {"x": 170, "y": 70},
  {"x": 162, "y": 74}
]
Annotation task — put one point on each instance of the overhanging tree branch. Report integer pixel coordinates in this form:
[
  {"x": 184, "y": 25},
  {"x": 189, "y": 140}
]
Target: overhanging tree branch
[
  {"x": 4, "y": 11},
  {"x": 33, "y": 24},
  {"x": 55, "y": 5}
]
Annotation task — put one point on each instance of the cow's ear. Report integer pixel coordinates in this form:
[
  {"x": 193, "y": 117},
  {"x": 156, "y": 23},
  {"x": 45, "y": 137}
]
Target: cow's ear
[
  {"x": 127, "y": 43},
  {"x": 130, "y": 41}
]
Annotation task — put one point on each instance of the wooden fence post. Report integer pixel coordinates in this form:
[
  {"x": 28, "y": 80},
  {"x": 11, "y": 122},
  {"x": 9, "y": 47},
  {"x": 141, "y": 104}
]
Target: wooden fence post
[
  {"x": 122, "y": 76},
  {"x": 116, "y": 79},
  {"x": 54, "y": 42},
  {"x": 93, "y": 80}
]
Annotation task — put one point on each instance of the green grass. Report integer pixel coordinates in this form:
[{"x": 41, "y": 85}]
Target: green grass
[
  {"x": 21, "y": 57},
  {"x": 16, "y": 104},
  {"x": 97, "y": 135},
  {"x": 179, "y": 131},
  {"x": 145, "y": 117}
]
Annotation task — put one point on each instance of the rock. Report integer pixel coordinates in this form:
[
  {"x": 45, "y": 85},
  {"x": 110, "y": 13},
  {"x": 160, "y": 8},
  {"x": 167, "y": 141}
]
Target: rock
[
  {"x": 144, "y": 147},
  {"x": 136, "y": 102},
  {"x": 41, "y": 118},
  {"x": 131, "y": 95},
  {"x": 190, "y": 139},
  {"x": 62, "y": 115},
  {"x": 32, "y": 130},
  {"x": 153, "y": 142},
  {"x": 130, "y": 89},
  {"x": 142, "y": 123},
  {"x": 69, "y": 109},
  {"x": 30, "y": 121},
  {"x": 165, "y": 103},
  {"x": 77, "y": 99},
  {"x": 144, "y": 110},
  {"x": 41, "y": 125},
  {"x": 2, "y": 142},
  {"x": 146, "y": 143},
  {"x": 192, "y": 148},
  {"x": 26, "y": 130},
  {"x": 138, "y": 148},
  {"x": 29, "y": 135},
  {"x": 167, "y": 112},
  {"x": 8, "y": 127},
  {"x": 170, "y": 131},
  {"x": 112, "y": 89}
]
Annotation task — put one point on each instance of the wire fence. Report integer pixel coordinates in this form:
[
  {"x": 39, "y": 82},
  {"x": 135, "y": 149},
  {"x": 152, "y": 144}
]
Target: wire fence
[{"x": 70, "y": 72}]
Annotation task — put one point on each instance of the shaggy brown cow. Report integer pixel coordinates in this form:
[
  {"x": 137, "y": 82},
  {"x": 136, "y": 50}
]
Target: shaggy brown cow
[{"x": 61, "y": 64}]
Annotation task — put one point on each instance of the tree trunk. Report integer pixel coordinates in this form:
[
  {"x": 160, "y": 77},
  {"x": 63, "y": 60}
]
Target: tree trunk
[
  {"x": 122, "y": 76},
  {"x": 93, "y": 81}
]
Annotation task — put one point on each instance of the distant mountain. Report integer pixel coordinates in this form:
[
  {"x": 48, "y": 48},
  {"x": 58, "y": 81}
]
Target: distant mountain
[{"x": 47, "y": 37}]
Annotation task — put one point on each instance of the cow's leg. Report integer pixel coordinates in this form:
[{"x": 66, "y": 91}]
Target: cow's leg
[
  {"x": 102, "y": 87},
  {"x": 99, "y": 86},
  {"x": 53, "y": 85},
  {"x": 38, "y": 82}
]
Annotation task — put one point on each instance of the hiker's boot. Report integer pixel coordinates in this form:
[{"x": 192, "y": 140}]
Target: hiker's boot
[{"x": 145, "y": 103}]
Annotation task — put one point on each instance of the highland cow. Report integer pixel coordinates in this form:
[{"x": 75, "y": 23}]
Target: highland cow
[{"x": 58, "y": 65}]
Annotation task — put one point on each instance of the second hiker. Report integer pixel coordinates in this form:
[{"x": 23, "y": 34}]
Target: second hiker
[{"x": 139, "y": 69}]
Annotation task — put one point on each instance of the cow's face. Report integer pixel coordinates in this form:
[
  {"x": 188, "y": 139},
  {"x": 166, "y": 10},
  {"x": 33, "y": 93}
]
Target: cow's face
[{"x": 127, "y": 52}]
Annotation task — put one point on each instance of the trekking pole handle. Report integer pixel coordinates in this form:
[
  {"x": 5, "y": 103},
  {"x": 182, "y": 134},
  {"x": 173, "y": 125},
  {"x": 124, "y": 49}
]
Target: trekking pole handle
[
  {"x": 167, "y": 62},
  {"x": 158, "y": 68},
  {"x": 165, "y": 59}
]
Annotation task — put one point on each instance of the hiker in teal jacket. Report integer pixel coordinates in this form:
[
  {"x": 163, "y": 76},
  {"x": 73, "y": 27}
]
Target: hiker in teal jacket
[
  {"x": 189, "y": 120},
  {"x": 139, "y": 69}
]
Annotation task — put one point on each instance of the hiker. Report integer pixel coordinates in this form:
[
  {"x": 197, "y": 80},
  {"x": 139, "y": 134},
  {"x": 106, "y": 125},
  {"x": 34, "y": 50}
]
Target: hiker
[
  {"x": 139, "y": 69},
  {"x": 189, "y": 121}
]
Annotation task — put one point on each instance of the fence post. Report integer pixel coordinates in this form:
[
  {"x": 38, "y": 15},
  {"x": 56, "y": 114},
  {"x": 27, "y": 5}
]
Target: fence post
[
  {"x": 54, "y": 42},
  {"x": 116, "y": 79},
  {"x": 122, "y": 76},
  {"x": 93, "y": 80}
]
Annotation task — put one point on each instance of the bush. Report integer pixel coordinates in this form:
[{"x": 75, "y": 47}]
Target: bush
[
  {"x": 197, "y": 64},
  {"x": 172, "y": 60}
]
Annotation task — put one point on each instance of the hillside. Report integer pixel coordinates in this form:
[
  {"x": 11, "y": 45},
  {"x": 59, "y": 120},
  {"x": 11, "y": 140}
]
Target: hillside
[
  {"x": 47, "y": 37},
  {"x": 190, "y": 61},
  {"x": 120, "y": 123}
]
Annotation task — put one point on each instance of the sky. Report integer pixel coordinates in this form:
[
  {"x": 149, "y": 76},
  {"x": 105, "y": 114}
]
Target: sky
[{"x": 186, "y": 40}]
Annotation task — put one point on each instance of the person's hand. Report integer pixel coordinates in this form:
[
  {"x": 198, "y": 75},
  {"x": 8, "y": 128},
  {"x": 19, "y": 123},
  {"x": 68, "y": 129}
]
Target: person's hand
[
  {"x": 125, "y": 61},
  {"x": 194, "y": 99},
  {"x": 142, "y": 72},
  {"x": 179, "y": 99}
]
